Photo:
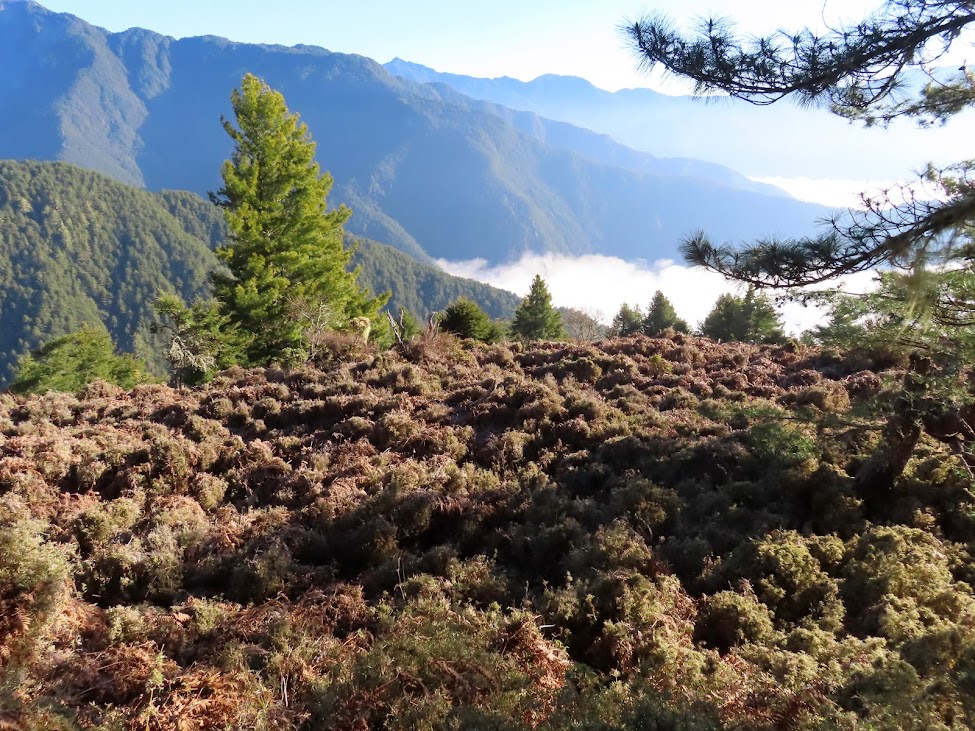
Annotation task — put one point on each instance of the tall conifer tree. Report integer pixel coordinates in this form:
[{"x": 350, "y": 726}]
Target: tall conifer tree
[
  {"x": 285, "y": 254},
  {"x": 748, "y": 319},
  {"x": 628, "y": 320}
]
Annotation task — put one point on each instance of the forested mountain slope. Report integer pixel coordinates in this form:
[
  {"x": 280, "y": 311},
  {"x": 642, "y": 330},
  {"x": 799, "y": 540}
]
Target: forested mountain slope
[
  {"x": 639, "y": 534},
  {"x": 424, "y": 168},
  {"x": 423, "y": 288},
  {"x": 78, "y": 247}
]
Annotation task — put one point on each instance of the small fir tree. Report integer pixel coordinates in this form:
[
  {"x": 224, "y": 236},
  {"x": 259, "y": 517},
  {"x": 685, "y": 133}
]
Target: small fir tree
[
  {"x": 285, "y": 245},
  {"x": 201, "y": 339},
  {"x": 465, "y": 319},
  {"x": 662, "y": 315},
  {"x": 627, "y": 321},
  {"x": 535, "y": 318}
]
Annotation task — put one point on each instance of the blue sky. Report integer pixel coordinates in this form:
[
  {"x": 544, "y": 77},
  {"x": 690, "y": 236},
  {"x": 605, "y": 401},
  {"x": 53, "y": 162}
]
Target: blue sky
[{"x": 519, "y": 38}]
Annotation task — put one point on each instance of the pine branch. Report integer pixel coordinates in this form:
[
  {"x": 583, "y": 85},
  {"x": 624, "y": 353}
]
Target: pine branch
[
  {"x": 851, "y": 68},
  {"x": 890, "y": 232}
]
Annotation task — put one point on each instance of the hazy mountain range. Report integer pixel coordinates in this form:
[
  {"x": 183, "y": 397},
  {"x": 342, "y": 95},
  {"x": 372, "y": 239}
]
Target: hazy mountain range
[
  {"x": 423, "y": 167},
  {"x": 795, "y": 142}
]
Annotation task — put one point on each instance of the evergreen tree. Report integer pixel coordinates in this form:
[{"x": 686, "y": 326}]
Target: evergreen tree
[
  {"x": 867, "y": 72},
  {"x": 748, "y": 319},
  {"x": 845, "y": 327},
  {"x": 464, "y": 318},
  {"x": 661, "y": 315},
  {"x": 285, "y": 246},
  {"x": 627, "y": 321},
  {"x": 201, "y": 339},
  {"x": 70, "y": 362},
  {"x": 535, "y": 318}
]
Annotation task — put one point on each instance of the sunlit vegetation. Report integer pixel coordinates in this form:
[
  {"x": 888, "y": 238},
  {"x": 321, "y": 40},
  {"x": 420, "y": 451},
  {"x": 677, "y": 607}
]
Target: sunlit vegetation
[{"x": 644, "y": 533}]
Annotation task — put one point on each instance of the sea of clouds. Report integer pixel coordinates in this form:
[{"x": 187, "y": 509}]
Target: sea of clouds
[{"x": 600, "y": 284}]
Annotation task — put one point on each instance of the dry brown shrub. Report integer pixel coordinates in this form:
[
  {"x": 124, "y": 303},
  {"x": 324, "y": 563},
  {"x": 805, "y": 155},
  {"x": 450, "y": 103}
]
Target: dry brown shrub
[
  {"x": 434, "y": 349},
  {"x": 829, "y": 397},
  {"x": 493, "y": 469},
  {"x": 863, "y": 384}
]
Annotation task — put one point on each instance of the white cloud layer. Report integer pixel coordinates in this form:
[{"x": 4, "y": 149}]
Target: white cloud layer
[{"x": 603, "y": 283}]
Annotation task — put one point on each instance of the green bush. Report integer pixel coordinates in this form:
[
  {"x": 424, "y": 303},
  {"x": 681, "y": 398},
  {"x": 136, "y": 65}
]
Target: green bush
[
  {"x": 465, "y": 319},
  {"x": 71, "y": 362},
  {"x": 729, "y": 619},
  {"x": 898, "y": 583},
  {"x": 35, "y": 581},
  {"x": 789, "y": 580}
]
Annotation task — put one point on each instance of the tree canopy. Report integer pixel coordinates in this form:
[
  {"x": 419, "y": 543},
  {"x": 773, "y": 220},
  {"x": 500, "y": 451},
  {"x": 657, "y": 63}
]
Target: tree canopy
[
  {"x": 628, "y": 320},
  {"x": 662, "y": 315},
  {"x": 285, "y": 254},
  {"x": 201, "y": 338},
  {"x": 72, "y": 361},
  {"x": 465, "y": 318},
  {"x": 750, "y": 318}
]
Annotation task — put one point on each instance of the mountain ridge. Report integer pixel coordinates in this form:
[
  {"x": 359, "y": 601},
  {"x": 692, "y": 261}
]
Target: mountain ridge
[
  {"x": 425, "y": 169},
  {"x": 796, "y": 141}
]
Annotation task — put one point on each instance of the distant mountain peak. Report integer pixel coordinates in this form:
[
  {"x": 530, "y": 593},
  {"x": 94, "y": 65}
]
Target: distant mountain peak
[
  {"x": 22, "y": 4},
  {"x": 400, "y": 62}
]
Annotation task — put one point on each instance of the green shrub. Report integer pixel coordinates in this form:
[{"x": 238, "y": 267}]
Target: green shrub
[
  {"x": 729, "y": 619},
  {"x": 71, "y": 362},
  {"x": 209, "y": 490},
  {"x": 35, "y": 581},
  {"x": 789, "y": 580},
  {"x": 898, "y": 583}
]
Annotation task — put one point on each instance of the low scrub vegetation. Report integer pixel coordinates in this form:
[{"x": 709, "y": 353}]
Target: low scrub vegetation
[{"x": 640, "y": 534}]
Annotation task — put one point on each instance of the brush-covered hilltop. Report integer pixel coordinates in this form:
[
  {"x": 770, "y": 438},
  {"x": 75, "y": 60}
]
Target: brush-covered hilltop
[{"x": 638, "y": 534}]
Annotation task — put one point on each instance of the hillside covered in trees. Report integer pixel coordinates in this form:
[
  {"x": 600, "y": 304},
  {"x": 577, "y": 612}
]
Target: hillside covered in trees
[
  {"x": 640, "y": 534},
  {"x": 77, "y": 247}
]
